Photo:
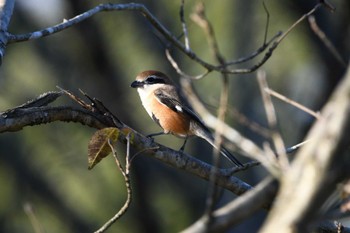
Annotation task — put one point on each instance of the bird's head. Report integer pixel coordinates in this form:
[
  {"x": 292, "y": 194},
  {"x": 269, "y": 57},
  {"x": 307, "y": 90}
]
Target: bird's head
[{"x": 150, "y": 78}]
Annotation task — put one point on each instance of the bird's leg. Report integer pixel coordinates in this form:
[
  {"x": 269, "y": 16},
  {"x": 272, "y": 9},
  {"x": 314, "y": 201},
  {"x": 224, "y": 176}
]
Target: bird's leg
[
  {"x": 183, "y": 146},
  {"x": 155, "y": 134}
]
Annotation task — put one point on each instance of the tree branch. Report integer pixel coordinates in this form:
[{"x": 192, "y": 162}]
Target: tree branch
[
  {"x": 10, "y": 38},
  {"x": 6, "y": 9},
  {"x": 239, "y": 209},
  {"x": 16, "y": 119},
  {"x": 244, "y": 145},
  {"x": 319, "y": 165}
]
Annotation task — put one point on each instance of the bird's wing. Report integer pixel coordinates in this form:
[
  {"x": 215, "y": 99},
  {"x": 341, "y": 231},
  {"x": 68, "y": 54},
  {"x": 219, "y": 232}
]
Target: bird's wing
[{"x": 172, "y": 100}]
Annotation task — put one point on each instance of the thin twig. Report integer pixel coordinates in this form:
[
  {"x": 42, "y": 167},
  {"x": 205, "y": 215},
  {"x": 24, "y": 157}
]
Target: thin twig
[
  {"x": 242, "y": 119},
  {"x": 141, "y": 151},
  {"x": 329, "y": 45},
  {"x": 76, "y": 99},
  {"x": 252, "y": 125},
  {"x": 279, "y": 37},
  {"x": 29, "y": 210},
  {"x": 317, "y": 168},
  {"x": 244, "y": 145},
  {"x": 302, "y": 18},
  {"x": 42, "y": 100},
  {"x": 125, "y": 172},
  {"x": 200, "y": 18},
  {"x": 297, "y": 146},
  {"x": 6, "y": 9},
  {"x": 178, "y": 69},
  {"x": 184, "y": 26},
  {"x": 317, "y": 115},
  {"x": 158, "y": 26},
  {"x": 233, "y": 170},
  {"x": 112, "y": 7},
  {"x": 267, "y": 22},
  {"x": 293, "y": 103},
  {"x": 255, "y": 53},
  {"x": 239, "y": 209},
  {"x": 272, "y": 121}
]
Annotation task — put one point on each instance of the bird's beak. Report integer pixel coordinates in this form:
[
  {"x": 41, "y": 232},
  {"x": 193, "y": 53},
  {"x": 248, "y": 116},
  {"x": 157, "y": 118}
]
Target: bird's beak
[{"x": 136, "y": 84}]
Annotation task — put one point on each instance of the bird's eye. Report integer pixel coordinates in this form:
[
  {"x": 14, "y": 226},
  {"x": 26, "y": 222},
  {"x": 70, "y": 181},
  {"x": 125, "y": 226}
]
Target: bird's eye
[
  {"x": 151, "y": 79},
  {"x": 154, "y": 80}
]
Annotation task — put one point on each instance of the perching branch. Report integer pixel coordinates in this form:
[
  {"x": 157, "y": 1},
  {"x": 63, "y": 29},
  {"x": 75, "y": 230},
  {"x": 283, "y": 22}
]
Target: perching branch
[{"x": 16, "y": 119}]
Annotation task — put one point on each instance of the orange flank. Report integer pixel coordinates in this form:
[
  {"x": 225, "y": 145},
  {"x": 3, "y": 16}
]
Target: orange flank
[{"x": 172, "y": 122}]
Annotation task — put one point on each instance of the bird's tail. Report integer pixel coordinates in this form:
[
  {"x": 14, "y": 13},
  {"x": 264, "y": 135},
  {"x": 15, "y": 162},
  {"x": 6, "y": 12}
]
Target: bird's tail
[{"x": 209, "y": 138}]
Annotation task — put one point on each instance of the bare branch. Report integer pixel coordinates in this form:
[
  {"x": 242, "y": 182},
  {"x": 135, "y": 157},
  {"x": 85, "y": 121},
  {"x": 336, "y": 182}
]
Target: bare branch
[
  {"x": 29, "y": 210},
  {"x": 42, "y": 100},
  {"x": 319, "y": 165},
  {"x": 16, "y": 119},
  {"x": 184, "y": 26},
  {"x": 329, "y": 45},
  {"x": 248, "y": 123},
  {"x": 297, "y": 105},
  {"x": 178, "y": 69},
  {"x": 302, "y": 18},
  {"x": 163, "y": 30},
  {"x": 267, "y": 22},
  {"x": 239, "y": 209},
  {"x": 200, "y": 18},
  {"x": 244, "y": 145},
  {"x": 293, "y": 103},
  {"x": 6, "y": 9},
  {"x": 297, "y": 146},
  {"x": 257, "y": 52},
  {"x": 111, "y": 7},
  {"x": 126, "y": 174},
  {"x": 272, "y": 121}
]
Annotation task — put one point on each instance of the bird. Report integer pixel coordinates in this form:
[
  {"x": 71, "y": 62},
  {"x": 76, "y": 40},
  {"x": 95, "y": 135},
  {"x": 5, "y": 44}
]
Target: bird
[{"x": 163, "y": 102}]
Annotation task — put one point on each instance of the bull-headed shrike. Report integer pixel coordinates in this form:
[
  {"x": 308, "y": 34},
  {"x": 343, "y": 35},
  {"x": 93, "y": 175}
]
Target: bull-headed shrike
[{"x": 163, "y": 102}]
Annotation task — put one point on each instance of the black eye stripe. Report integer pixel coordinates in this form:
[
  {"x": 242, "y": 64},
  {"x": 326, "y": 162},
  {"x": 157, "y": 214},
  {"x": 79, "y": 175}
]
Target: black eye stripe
[{"x": 154, "y": 79}]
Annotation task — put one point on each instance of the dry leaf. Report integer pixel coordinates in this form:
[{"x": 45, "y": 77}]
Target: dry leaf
[{"x": 98, "y": 147}]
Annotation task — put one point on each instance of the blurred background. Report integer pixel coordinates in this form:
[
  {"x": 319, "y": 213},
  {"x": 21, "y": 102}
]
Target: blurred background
[{"x": 43, "y": 169}]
